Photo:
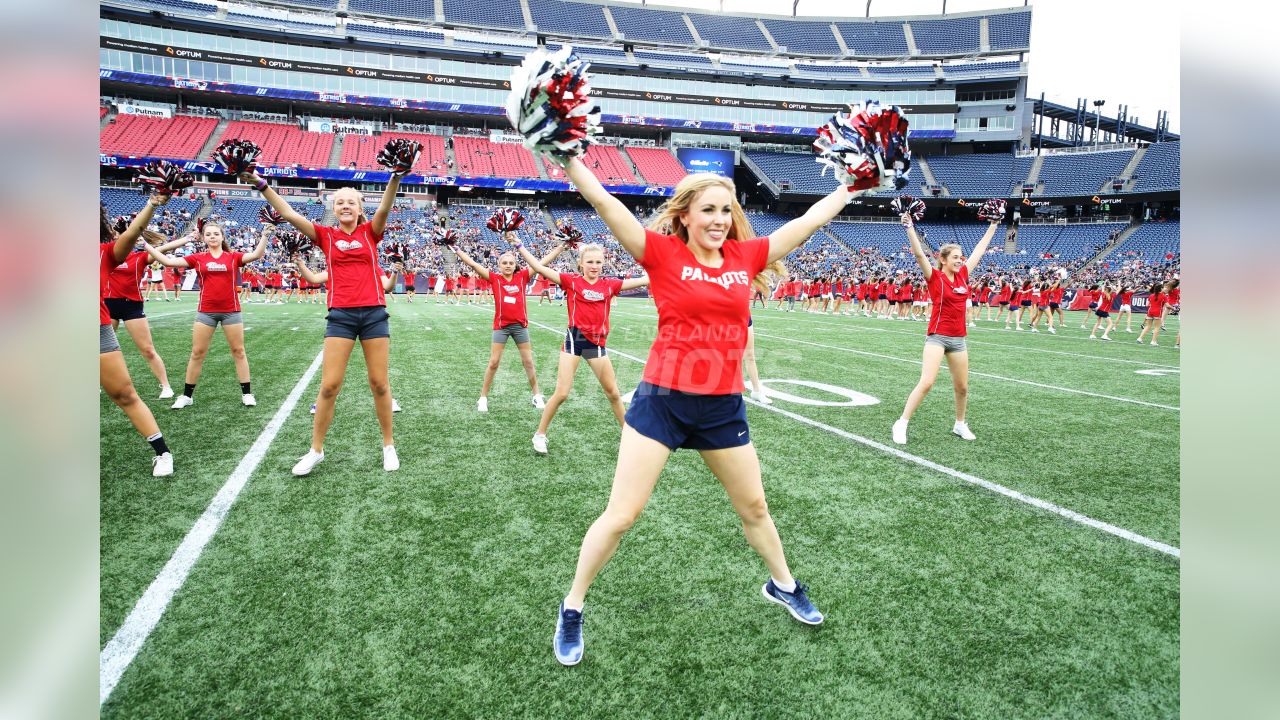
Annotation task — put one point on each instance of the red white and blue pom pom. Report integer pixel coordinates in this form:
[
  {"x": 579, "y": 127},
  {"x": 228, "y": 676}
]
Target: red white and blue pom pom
[
  {"x": 550, "y": 104},
  {"x": 992, "y": 210},
  {"x": 866, "y": 147},
  {"x": 505, "y": 220},
  {"x": 568, "y": 234},
  {"x": 268, "y": 215},
  {"x": 122, "y": 223},
  {"x": 400, "y": 155},
  {"x": 444, "y": 236},
  {"x": 397, "y": 252},
  {"x": 293, "y": 242},
  {"x": 236, "y": 156},
  {"x": 164, "y": 177},
  {"x": 905, "y": 204}
]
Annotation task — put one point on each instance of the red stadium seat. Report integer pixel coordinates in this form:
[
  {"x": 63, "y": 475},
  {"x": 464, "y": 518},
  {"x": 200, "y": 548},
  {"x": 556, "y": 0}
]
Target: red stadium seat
[
  {"x": 282, "y": 144},
  {"x": 363, "y": 151},
  {"x": 477, "y": 157},
  {"x": 607, "y": 163},
  {"x": 657, "y": 165},
  {"x": 180, "y": 137}
]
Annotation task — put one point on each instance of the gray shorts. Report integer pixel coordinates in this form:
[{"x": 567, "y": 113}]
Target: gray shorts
[
  {"x": 212, "y": 319},
  {"x": 107, "y": 341},
  {"x": 949, "y": 343},
  {"x": 515, "y": 331}
]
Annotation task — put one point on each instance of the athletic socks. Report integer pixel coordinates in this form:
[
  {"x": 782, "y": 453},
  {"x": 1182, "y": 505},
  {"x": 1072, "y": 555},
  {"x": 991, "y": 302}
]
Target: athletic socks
[
  {"x": 188, "y": 389},
  {"x": 158, "y": 444},
  {"x": 784, "y": 587},
  {"x": 244, "y": 388}
]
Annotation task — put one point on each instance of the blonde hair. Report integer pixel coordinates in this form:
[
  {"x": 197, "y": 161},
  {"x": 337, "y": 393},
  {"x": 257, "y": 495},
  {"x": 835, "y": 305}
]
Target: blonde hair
[
  {"x": 589, "y": 247},
  {"x": 946, "y": 250},
  {"x": 667, "y": 219},
  {"x": 360, "y": 217}
]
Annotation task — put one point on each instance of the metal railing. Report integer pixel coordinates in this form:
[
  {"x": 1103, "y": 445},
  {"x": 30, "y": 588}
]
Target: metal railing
[{"x": 1109, "y": 147}]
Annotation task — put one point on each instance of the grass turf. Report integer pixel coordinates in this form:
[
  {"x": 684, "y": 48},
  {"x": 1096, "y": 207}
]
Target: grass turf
[{"x": 432, "y": 590}]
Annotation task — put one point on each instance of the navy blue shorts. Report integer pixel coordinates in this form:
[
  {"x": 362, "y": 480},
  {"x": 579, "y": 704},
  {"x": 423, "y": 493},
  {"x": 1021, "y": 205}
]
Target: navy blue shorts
[
  {"x": 1026, "y": 303},
  {"x": 363, "y": 323},
  {"x": 124, "y": 309},
  {"x": 1053, "y": 306},
  {"x": 684, "y": 420},
  {"x": 575, "y": 343}
]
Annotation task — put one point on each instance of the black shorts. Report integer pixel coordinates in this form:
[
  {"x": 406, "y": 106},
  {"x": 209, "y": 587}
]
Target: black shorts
[
  {"x": 124, "y": 309},
  {"x": 1053, "y": 306},
  {"x": 575, "y": 343},
  {"x": 363, "y": 323},
  {"x": 1026, "y": 303},
  {"x": 1102, "y": 313},
  {"x": 1093, "y": 306},
  {"x": 685, "y": 420},
  {"x": 881, "y": 296},
  {"x": 1004, "y": 302}
]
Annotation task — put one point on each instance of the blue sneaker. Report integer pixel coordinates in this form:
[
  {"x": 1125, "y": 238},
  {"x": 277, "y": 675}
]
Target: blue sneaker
[
  {"x": 568, "y": 640},
  {"x": 797, "y": 603}
]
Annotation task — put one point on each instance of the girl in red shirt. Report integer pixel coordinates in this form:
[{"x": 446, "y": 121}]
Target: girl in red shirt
[
  {"x": 219, "y": 305},
  {"x": 1105, "y": 298},
  {"x": 589, "y": 298},
  {"x": 1156, "y": 300},
  {"x": 1002, "y": 293},
  {"x": 691, "y": 396},
  {"x": 1125, "y": 294},
  {"x": 113, "y": 373},
  {"x": 945, "y": 336},
  {"x": 357, "y": 308}
]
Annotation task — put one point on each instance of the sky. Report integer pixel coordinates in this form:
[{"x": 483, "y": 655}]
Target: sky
[{"x": 1119, "y": 51}]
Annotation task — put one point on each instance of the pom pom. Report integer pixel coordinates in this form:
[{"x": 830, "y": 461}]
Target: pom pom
[
  {"x": 397, "y": 252},
  {"x": 268, "y": 215},
  {"x": 866, "y": 147},
  {"x": 505, "y": 220},
  {"x": 400, "y": 155},
  {"x": 1062, "y": 273},
  {"x": 905, "y": 204},
  {"x": 236, "y": 156},
  {"x": 163, "y": 177},
  {"x": 992, "y": 210},
  {"x": 568, "y": 234},
  {"x": 293, "y": 242},
  {"x": 200, "y": 226},
  {"x": 445, "y": 236},
  {"x": 122, "y": 223},
  {"x": 550, "y": 104}
]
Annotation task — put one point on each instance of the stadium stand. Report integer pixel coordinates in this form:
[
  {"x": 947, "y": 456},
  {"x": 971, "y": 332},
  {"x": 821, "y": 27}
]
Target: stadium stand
[
  {"x": 478, "y": 157},
  {"x": 283, "y": 144},
  {"x": 194, "y": 7},
  {"x": 886, "y": 238},
  {"x": 121, "y": 201},
  {"x": 953, "y": 36},
  {"x": 1081, "y": 174},
  {"x": 657, "y": 165},
  {"x": 874, "y": 39},
  {"x": 497, "y": 13},
  {"x": 915, "y": 72},
  {"x": 799, "y": 168},
  {"x": 239, "y": 213},
  {"x": 432, "y": 36},
  {"x": 974, "y": 175},
  {"x": 395, "y": 8},
  {"x": 829, "y": 70},
  {"x": 102, "y": 111},
  {"x": 657, "y": 26},
  {"x": 608, "y": 164},
  {"x": 1009, "y": 31},
  {"x": 180, "y": 137},
  {"x": 1160, "y": 168},
  {"x": 672, "y": 60},
  {"x": 799, "y": 36},
  {"x": 322, "y": 4},
  {"x": 1153, "y": 242},
  {"x": 1012, "y": 67},
  {"x": 362, "y": 150},
  {"x": 729, "y": 31},
  {"x": 568, "y": 18},
  {"x": 1021, "y": 171},
  {"x": 281, "y": 22}
]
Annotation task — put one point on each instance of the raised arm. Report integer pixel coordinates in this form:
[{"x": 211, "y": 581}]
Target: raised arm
[
  {"x": 632, "y": 283},
  {"x": 922, "y": 258},
  {"x": 389, "y": 281},
  {"x": 384, "y": 207},
  {"x": 166, "y": 260},
  {"x": 277, "y": 203},
  {"x": 261, "y": 248},
  {"x": 466, "y": 259},
  {"x": 127, "y": 239},
  {"x": 175, "y": 244},
  {"x": 533, "y": 262},
  {"x": 981, "y": 249},
  {"x": 625, "y": 227},
  {"x": 794, "y": 234},
  {"x": 313, "y": 277}
]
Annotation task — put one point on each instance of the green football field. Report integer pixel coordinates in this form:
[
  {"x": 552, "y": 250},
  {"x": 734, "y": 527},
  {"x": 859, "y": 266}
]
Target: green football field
[{"x": 1030, "y": 574}]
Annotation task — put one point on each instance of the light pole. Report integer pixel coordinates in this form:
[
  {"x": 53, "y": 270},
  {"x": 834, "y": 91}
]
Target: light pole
[{"x": 1097, "y": 122}]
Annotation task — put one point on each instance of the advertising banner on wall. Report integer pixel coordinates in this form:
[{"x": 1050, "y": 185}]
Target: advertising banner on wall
[
  {"x": 702, "y": 160},
  {"x": 144, "y": 110}
]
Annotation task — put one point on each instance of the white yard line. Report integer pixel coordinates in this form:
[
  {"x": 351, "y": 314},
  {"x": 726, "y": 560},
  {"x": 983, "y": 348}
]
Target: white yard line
[{"x": 128, "y": 640}]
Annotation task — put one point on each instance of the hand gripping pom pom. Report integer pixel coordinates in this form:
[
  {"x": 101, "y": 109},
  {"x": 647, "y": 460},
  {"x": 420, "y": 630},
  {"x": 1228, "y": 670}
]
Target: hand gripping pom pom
[
  {"x": 443, "y": 236},
  {"x": 269, "y": 216},
  {"x": 866, "y": 147},
  {"x": 236, "y": 156},
  {"x": 122, "y": 223},
  {"x": 505, "y": 220},
  {"x": 568, "y": 234},
  {"x": 550, "y": 104},
  {"x": 400, "y": 155},
  {"x": 905, "y": 204},
  {"x": 294, "y": 243},
  {"x": 992, "y": 210},
  {"x": 164, "y": 177}
]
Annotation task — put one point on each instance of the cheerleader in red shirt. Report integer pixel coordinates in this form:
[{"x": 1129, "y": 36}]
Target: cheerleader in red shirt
[
  {"x": 1105, "y": 298},
  {"x": 945, "y": 337},
  {"x": 700, "y": 278},
  {"x": 510, "y": 319},
  {"x": 590, "y": 298},
  {"x": 1015, "y": 304},
  {"x": 357, "y": 308},
  {"x": 219, "y": 305},
  {"x": 1004, "y": 291},
  {"x": 113, "y": 373},
  {"x": 1042, "y": 310},
  {"x": 1125, "y": 295},
  {"x": 1156, "y": 300}
]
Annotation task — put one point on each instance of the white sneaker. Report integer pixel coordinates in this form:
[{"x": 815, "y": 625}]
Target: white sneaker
[
  {"x": 1052, "y": 331},
  {"x": 390, "y": 461},
  {"x": 181, "y": 402},
  {"x": 482, "y": 405},
  {"x": 248, "y": 399},
  {"x": 539, "y": 402},
  {"x": 395, "y": 406},
  {"x": 540, "y": 443},
  {"x": 166, "y": 392},
  {"x": 972, "y": 324},
  {"x": 962, "y": 429},
  {"x": 313, "y": 408},
  {"x": 1155, "y": 344},
  {"x": 1128, "y": 331},
  {"x": 761, "y": 397},
  {"x": 307, "y": 462},
  {"x": 162, "y": 465},
  {"x": 900, "y": 432},
  {"x": 1034, "y": 330}
]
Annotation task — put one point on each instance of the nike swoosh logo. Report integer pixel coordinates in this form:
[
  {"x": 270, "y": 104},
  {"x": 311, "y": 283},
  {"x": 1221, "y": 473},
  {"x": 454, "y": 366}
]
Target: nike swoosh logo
[{"x": 744, "y": 432}]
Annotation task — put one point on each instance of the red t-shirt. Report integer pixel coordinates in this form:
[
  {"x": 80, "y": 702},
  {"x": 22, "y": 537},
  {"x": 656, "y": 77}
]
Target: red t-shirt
[
  {"x": 1175, "y": 295},
  {"x": 1015, "y": 296},
  {"x": 1104, "y": 301},
  {"x": 124, "y": 278},
  {"x": 274, "y": 279},
  {"x": 947, "y": 316},
  {"x": 1005, "y": 293},
  {"x": 921, "y": 294},
  {"x": 1126, "y": 297},
  {"x": 106, "y": 263},
  {"x": 589, "y": 304},
  {"x": 702, "y": 313},
  {"x": 409, "y": 279},
  {"x": 448, "y": 284},
  {"x": 1155, "y": 304},
  {"x": 984, "y": 294},
  {"x": 508, "y": 298},
  {"x": 1055, "y": 295},
  {"x": 217, "y": 281},
  {"x": 355, "y": 280}
]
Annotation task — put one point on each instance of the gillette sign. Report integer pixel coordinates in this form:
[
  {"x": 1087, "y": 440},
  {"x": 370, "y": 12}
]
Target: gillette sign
[{"x": 706, "y": 160}]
